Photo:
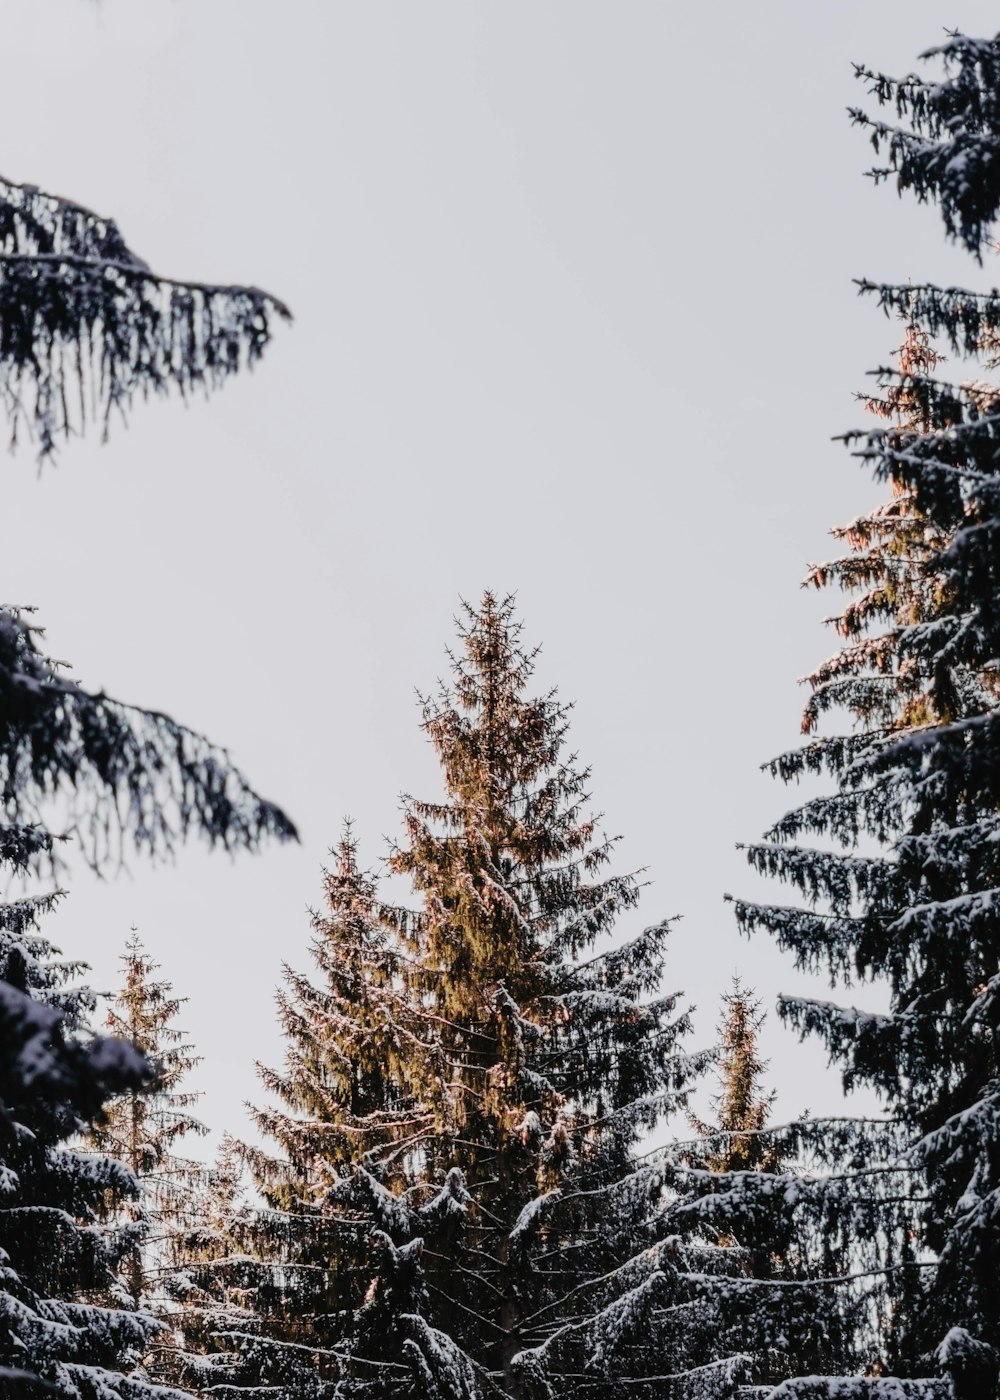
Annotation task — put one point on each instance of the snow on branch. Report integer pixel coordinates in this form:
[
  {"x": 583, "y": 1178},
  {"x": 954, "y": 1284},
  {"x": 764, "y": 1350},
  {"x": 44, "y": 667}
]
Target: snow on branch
[
  {"x": 884, "y": 1388},
  {"x": 946, "y": 144},
  {"x": 115, "y": 767},
  {"x": 86, "y": 327}
]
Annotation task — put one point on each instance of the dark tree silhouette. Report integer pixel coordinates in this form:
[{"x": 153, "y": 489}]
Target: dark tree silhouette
[
  {"x": 102, "y": 770},
  {"x": 946, "y": 145},
  {"x": 897, "y": 870},
  {"x": 86, "y": 327},
  {"x": 63, "y": 1333}
]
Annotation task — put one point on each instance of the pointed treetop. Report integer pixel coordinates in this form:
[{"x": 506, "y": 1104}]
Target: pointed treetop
[
  {"x": 143, "y": 1130},
  {"x": 513, "y": 843},
  {"x": 946, "y": 145},
  {"x": 454, "y": 1187},
  {"x": 741, "y": 1108},
  {"x": 143, "y": 1011}
]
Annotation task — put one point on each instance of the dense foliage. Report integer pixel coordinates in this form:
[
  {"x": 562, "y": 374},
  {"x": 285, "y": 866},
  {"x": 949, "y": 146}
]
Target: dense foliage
[
  {"x": 65, "y": 1332},
  {"x": 457, "y": 1208},
  {"x": 456, "y": 1192},
  {"x": 741, "y": 1108},
  {"x": 946, "y": 140},
  {"x": 901, "y": 886}
]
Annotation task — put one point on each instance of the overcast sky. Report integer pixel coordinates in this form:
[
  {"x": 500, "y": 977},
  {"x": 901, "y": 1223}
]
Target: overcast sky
[{"x": 574, "y": 317}]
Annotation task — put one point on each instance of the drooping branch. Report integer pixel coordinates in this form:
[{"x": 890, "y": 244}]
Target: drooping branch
[
  {"x": 86, "y": 327},
  {"x": 966, "y": 318},
  {"x": 110, "y": 769}
]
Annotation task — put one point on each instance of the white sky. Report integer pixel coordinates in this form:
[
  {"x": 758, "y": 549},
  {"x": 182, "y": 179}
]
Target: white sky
[{"x": 574, "y": 316}]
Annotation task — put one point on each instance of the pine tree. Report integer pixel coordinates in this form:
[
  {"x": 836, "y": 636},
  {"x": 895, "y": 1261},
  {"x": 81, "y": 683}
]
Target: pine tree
[
  {"x": 748, "y": 1184},
  {"x": 212, "y": 1284},
  {"x": 59, "y": 1253},
  {"x": 143, "y": 1128},
  {"x": 903, "y": 886},
  {"x": 457, "y": 1208},
  {"x": 741, "y": 1108},
  {"x": 86, "y": 327}
]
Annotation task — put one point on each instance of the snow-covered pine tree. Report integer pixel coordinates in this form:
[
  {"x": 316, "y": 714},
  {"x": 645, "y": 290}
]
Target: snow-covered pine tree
[
  {"x": 457, "y": 1209},
  {"x": 86, "y": 765},
  {"x": 747, "y": 1185},
  {"x": 212, "y": 1286},
  {"x": 89, "y": 766},
  {"x": 143, "y": 1128},
  {"x": 86, "y": 327},
  {"x": 903, "y": 885},
  {"x": 946, "y": 142},
  {"x": 58, "y": 1255},
  {"x": 736, "y": 1140}
]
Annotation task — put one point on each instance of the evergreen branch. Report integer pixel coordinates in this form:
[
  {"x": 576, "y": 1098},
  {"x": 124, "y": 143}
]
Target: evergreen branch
[{"x": 138, "y": 272}]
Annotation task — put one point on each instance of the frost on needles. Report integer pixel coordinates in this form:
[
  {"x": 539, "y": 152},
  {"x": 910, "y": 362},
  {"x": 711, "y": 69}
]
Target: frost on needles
[
  {"x": 63, "y": 1334},
  {"x": 92, "y": 767},
  {"x": 146, "y": 1132},
  {"x": 896, "y": 870},
  {"x": 86, "y": 327},
  {"x": 456, "y": 1201}
]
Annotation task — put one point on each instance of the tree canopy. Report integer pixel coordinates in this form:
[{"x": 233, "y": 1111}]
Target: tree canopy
[
  {"x": 896, "y": 868},
  {"x": 459, "y": 1206}
]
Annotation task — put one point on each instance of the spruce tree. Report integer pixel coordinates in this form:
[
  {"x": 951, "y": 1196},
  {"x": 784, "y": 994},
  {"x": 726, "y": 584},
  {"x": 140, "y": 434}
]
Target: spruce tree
[
  {"x": 741, "y": 1108},
  {"x": 86, "y": 327},
  {"x": 750, "y": 1186},
  {"x": 143, "y": 1128},
  {"x": 457, "y": 1208},
  {"x": 901, "y": 887},
  {"x": 946, "y": 140},
  {"x": 212, "y": 1285},
  {"x": 62, "y": 1334}
]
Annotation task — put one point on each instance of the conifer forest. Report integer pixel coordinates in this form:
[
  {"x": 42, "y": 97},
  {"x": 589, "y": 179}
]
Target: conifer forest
[{"x": 491, "y": 1145}]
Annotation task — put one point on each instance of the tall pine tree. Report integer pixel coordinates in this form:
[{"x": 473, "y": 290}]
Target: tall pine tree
[
  {"x": 63, "y": 1332},
  {"x": 457, "y": 1208},
  {"x": 741, "y": 1107},
  {"x": 903, "y": 883},
  {"x": 143, "y": 1128}
]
